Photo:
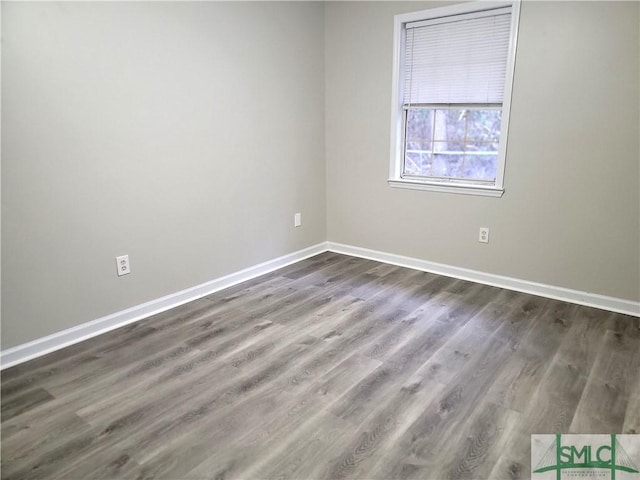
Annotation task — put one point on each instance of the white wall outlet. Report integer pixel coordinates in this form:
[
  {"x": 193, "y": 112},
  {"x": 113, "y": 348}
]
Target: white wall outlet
[
  {"x": 123, "y": 265},
  {"x": 297, "y": 220},
  {"x": 483, "y": 236}
]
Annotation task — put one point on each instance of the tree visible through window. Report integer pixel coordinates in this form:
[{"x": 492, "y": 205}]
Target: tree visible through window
[{"x": 453, "y": 142}]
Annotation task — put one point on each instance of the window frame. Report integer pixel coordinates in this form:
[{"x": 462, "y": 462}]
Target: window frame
[{"x": 396, "y": 177}]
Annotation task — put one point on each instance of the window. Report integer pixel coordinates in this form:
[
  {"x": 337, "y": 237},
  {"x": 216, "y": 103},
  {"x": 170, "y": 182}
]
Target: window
[{"x": 453, "y": 70}]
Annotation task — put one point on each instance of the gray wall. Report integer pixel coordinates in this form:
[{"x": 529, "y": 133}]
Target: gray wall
[
  {"x": 183, "y": 134},
  {"x": 187, "y": 134},
  {"x": 570, "y": 215}
]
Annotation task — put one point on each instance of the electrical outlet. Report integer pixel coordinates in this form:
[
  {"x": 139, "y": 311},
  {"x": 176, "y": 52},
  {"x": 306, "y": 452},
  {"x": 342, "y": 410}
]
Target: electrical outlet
[
  {"x": 483, "y": 236},
  {"x": 297, "y": 220},
  {"x": 122, "y": 263}
]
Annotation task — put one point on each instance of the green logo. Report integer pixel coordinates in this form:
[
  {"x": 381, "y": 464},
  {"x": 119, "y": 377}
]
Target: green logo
[{"x": 581, "y": 454}]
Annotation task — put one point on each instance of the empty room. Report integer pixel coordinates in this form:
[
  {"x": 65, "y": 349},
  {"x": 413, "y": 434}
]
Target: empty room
[{"x": 320, "y": 240}]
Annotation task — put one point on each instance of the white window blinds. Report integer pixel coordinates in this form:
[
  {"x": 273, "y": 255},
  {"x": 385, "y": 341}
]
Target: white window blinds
[{"x": 460, "y": 59}]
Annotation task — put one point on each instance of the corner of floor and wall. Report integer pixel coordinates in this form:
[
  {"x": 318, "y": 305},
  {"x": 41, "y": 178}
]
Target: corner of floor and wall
[{"x": 154, "y": 130}]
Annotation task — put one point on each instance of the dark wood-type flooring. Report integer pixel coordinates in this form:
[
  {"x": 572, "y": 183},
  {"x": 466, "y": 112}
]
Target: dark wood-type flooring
[{"x": 334, "y": 367}]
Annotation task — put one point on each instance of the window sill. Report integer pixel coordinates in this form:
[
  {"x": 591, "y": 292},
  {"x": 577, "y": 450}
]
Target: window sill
[{"x": 447, "y": 188}]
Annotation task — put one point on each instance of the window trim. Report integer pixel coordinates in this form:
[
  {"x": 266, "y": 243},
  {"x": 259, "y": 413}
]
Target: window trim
[{"x": 397, "y": 106}]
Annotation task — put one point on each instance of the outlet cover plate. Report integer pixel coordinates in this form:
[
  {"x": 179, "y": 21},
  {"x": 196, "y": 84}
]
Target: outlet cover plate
[
  {"x": 122, "y": 263},
  {"x": 483, "y": 235}
]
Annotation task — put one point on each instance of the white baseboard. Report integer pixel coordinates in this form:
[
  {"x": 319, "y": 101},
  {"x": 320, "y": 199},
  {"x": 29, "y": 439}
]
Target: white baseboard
[
  {"x": 58, "y": 340},
  {"x": 613, "y": 304}
]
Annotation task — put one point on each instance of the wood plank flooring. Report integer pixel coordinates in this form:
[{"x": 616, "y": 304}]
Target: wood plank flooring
[{"x": 334, "y": 367}]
